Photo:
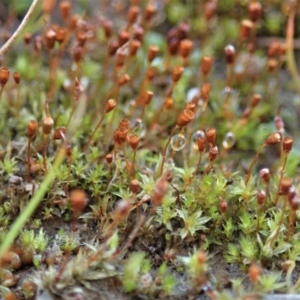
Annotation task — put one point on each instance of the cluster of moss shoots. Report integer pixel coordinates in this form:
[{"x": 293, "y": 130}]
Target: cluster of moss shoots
[{"x": 142, "y": 159}]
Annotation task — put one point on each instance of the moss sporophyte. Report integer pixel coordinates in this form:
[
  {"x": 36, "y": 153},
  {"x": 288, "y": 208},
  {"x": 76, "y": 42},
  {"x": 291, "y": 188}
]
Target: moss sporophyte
[{"x": 149, "y": 149}]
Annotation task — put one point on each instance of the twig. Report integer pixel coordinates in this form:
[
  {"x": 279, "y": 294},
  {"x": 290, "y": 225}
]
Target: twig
[
  {"x": 32, "y": 204},
  {"x": 290, "y": 57},
  {"x": 131, "y": 237},
  {"x": 7, "y": 45}
]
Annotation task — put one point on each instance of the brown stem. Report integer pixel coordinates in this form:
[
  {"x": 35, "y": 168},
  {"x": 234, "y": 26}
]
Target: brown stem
[
  {"x": 226, "y": 103},
  {"x": 253, "y": 162},
  {"x": 208, "y": 168},
  {"x": 229, "y": 75},
  {"x": 142, "y": 91},
  {"x": 125, "y": 158},
  {"x": 93, "y": 133},
  {"x": 53, "y": 73},
  {"x": 50, "y": 65},
  {"x": 71, "y": 114},
  {"x": 18, "y": 102},
  {"x": 220, "y": 219},
  {"x": 258, "y": 220},
  {"x": 62, "y": 267},
  {"x": 165, "y": 150},
  {"x": 7, "y": 45},
  {"x": 280, "y": 221},
  {"x": 28, "y": 160},
  {"x": 190, "y": 180},
  {"x": 290, "y": 57},
  {"x": 156, "y": 117},
  {"x": 280, "y": 178},
  {"x": 140, "y": 203},
  {"x": 131, "y": 237},
  {"x": 45, "y": 153},
  {"x": 290, "y": 232},
  {"x": 69, "y": 174},
  {"x": 267, "y": 193},
  {"x": 133, "y": 164},
  {"x": 1, "y": 91},
  {"x": 178, "y": 199}
]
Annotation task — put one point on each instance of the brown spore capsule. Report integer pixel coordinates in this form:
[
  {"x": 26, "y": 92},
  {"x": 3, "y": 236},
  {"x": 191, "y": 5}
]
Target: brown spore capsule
[
  {"x": 273, "y": 139},
  {"x": 279, "y": 124},
  {"x": 50, "y": 38},
  {"x": 150, "y": 11},
  {"x": 229, "y": 51},
  {"x": 168, "y": 103},
  {"x": 121, "y": 211},
  {"x": 120, "y": 58},
  {"x": 185, "y": 48},
  {"x": 134, "y": 186},
  {"x": 261, "y": 197},
  {"x": 191, "y": 106},
  {"x": 59, "y": 133},
  {"x": 78, "y": 200},
  {"x": 295, "y": 202},
  {"x": 81, "y": 37},
  {"x": 4, "y": 75},
  {"x": 124, "y": 123},
  {"x": 110, "y": 105},
  {"x": 17, "y": 77},
  {"x": 37, "y": 44},
  {"x": 287, "y": 144},
  {"x": 201, "y": 257},
  {"x": 109, "y": 158},
  {"x": 138, "y": 33},
  {"x": 32, "y": 127},
  {"x": 205, "y": 91},
  {"x": 185, "y": 118},
  {"x": 177, "y": 73},
  {"x": 48, "y": 6},
  {"x": 211, "y": 135},
  {"x": 65, "y": 9},
  {"x": 285, "y": 185},
  {"x": 206, "y": 63},
  {"x": 74, "y": 21},
  {"x": 201, "y": 144},
  {"x": 78, "y": 53},
  {"x": 60, "y": 35},
  {"x": 223, "y": 206},
  {"x": 122, "y": 135},
  {"x": 272, "y": 65},
  {"x": 254, "y": 11},
  {"x": 213, "y": 152},
  {"x": 48, "y": 124},
  {"x": 254, "y": 272},
  {"x": 27, "y": 38},
  {"x": 246, "y": 30},
  {"x": 151, "y": 73},
  {"x": 123, "y": 37},
  {"x": 133, "y": 13},
  {"x": 210, "y": 9},
  {"x": 265, "y": 175},
  {"x": 256, "y": 98},
  {"x": 112, "y": 48},
  {"x": 107, "y": 28},
  {"x": 152, "y": 53},
  {"x": 134, "y": 47},
  {"x": 123, "y": 79},
  {"x": 147, "y": 97},
  {"x": 134, "y": 141},
  {"x": 274, "y": 49}
]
